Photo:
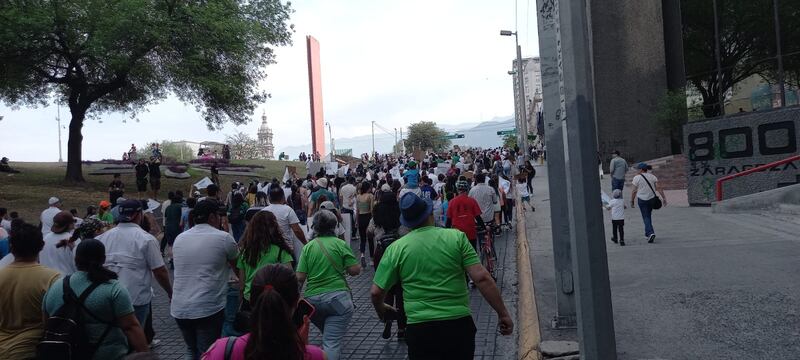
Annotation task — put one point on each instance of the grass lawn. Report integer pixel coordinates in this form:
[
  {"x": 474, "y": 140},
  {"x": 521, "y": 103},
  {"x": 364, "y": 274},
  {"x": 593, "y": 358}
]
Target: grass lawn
[{"x": 28, "y": 191}]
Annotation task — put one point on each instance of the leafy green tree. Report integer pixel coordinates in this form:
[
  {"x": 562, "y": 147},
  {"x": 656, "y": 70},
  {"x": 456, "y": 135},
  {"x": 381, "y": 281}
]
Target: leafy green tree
[
  {"x": 426, "y": 135},
  {"x": 176, "y": 150},
  {"x": 122, "y": 55},
  {"x": 510, "y": 140}
]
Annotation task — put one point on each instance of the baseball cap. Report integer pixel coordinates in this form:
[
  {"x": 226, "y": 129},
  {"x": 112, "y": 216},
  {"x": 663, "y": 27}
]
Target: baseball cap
[
  {"x": 327, "y": 205},
  {"x": 53, "y": 200},
  {"x": 462, "y": 185},
  {"x": 642, "y": 166},
  {"x": 322, "y": 182},
  {"x": 105, "y": 204},
  {"x": 128, "y": 209},
  {"x": 62, "y": 221},
  {"x": 386, "y": 187}
]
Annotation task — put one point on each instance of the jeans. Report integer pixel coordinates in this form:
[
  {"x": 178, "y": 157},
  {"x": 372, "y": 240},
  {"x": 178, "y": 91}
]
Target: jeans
[
  {"x": 200, "y": 334},
  {"x": 231, "y": 307},
  {"x": 141, "y": 312},
  {"x": 332, "y": 317},
  {"x": 237, "y": 230},
  {"x": 647, "y": 216},
  {"x": 445, "y": 339},
  {"x": 618, "y": 229},
  {"x": 617, "y": 184}
]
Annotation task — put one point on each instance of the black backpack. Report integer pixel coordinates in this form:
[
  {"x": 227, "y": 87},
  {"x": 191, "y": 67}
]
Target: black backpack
[{"x": 65, "y": 336}]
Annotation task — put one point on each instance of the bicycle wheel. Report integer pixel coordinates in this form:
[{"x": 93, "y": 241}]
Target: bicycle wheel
[{"x": 487, "y": 256}]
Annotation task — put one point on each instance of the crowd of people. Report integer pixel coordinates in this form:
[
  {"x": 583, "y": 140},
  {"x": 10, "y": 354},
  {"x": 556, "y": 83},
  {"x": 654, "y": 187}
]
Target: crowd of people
[{"x": 254, "y": 268}]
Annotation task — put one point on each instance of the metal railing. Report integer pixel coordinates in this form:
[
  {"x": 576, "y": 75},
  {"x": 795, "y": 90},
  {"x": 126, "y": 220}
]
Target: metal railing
[{"x": 723, "y": 179}]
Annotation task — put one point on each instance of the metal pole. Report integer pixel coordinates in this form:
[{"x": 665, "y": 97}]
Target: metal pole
[
  {"x": 403, "y": 142},
  {"x": 779, "y": 52},
  {"x": 590, "y": 262},
  {"x": 565, "y": 316},
  {"x": 516, "y": 106},
  {"x": 521, "y": 85},
  {"x": 58, "y": 119},
  {"x": 394, "y": 147},
  {"x": 720, "y": 95},
  {"x": 373, "y": 138}
]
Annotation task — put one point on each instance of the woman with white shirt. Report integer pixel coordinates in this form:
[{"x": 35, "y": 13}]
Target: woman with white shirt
[{"x": 57, "y": 253}]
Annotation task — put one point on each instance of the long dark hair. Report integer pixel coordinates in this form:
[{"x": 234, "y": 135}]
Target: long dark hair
[
  {"x": 90, "y": 256},
  {"x": 261, "y": 232},
  {"x": 366, "y": 186},
  {"x": 387, "y": 212},
  {"x": 273, "y": 334}
]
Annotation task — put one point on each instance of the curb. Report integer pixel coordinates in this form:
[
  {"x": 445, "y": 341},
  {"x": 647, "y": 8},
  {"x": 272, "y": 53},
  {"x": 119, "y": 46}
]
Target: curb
[{"x": 530, "y": 337}]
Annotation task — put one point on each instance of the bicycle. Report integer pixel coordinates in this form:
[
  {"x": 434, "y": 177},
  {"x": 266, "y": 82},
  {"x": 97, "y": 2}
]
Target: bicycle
[{"x": 486, "y": 251}]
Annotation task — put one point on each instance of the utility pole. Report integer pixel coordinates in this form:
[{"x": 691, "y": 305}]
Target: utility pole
[
  {"x": 394, "y": 147},
  {"x": 718, "y": 58},
  {"x": 779, "y": 52},
  {"x": 576, "y": 112},
  {"x": 522, "y": 100},
  {"x": 373, "y": 139},
  {"x": 403, "y": 142},
  {"x": 58, "y": 119},
  {"x": 565, "y": 316}
]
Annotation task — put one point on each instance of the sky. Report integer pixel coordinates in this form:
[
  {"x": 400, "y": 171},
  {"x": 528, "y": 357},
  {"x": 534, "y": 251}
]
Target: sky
[{"x": 389, "y": 61}]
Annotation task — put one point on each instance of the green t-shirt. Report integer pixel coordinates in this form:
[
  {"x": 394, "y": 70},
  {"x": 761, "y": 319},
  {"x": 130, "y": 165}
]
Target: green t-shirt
[
  {"x": 267, "y": 257},
  {"x": 322, "y": 277},
  {"x": 109, "y": 302},
  {"x": 106, "y": 217},
  {"x": 430, "y": 263}
]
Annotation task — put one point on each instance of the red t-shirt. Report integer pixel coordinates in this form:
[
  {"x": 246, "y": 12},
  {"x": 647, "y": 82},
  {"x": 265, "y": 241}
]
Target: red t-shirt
[{"x": 463, "y": 210}]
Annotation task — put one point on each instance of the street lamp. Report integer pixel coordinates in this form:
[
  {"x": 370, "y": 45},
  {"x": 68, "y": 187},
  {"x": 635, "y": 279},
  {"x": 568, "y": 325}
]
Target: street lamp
[
  {"x": 522, "y": 122},
  {"x": 330, "y": 136},
  {"x": 373, "y": 138}
]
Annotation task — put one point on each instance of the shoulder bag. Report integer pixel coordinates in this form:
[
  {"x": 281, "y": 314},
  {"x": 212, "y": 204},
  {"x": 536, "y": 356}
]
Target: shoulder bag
[
  {"x": 655, "y": 202},
  {"x": 337, "y": 269}
]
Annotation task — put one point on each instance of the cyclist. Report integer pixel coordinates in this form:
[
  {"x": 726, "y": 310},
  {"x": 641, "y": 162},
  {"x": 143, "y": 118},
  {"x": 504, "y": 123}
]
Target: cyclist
[{"x": 463, "y": 213}]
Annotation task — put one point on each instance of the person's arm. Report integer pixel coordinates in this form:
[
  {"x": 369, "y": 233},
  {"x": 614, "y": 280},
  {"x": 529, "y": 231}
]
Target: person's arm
[
  {"x": 633, "y": 197},
  {"x": 311, "y": 206},
  {"x": 301, "y": 278},
  {"x": 378, "y": 297},
  {"x": 661, "y": 191},
  {"x": 486, "y": 285},
  {"x": 162, "y": 276},
  {"x": 133, "y": 331},
  {"x": 298, "y": 233},
  {"x": 354, "y": 270}
]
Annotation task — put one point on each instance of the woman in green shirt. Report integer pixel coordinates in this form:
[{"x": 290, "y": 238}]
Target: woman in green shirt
[
  {"x": 323, "y": 262},
  {"x": 262, "y": 244}
]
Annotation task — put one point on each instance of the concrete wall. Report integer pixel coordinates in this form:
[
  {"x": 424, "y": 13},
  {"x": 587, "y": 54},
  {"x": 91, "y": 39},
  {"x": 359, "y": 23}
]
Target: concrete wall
[
  {"x": 630, "y": 77},
  {"x": 724, "y": 146}
]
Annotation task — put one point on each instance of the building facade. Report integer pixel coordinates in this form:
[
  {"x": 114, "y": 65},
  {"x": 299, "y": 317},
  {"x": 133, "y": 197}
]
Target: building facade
[
  {"x": 528, "y": 102},
  {"x": 265, "y": 139}
]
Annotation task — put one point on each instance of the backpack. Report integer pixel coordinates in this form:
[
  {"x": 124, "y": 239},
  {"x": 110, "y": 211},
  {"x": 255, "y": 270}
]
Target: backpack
[
  {"x": 65, "y": 336},
  {"x": 235, "y": 217},
  {"x": 383, "y": 243}
]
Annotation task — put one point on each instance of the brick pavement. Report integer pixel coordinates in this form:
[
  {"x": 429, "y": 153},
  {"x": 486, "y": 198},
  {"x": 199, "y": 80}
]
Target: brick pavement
[{"x": 363, "y": 339}]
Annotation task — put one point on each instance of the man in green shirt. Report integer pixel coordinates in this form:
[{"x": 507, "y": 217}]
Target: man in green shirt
[{"x": 430, "y": 263}]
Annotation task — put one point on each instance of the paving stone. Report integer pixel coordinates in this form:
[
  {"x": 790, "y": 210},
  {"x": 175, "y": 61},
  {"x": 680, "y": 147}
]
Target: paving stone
[{"x": 558, "y": 348}]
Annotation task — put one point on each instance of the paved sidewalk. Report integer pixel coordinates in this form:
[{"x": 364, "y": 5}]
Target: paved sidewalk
[
  {"x": 363, "y": 339},
  {"x": 713, "y": 286}
]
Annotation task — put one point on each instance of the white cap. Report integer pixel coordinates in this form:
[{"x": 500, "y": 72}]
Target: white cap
[
  {"x": 386, "y": 187},
  {"x": 53, "y": 200},
  {"x": 322, "y": 182}
]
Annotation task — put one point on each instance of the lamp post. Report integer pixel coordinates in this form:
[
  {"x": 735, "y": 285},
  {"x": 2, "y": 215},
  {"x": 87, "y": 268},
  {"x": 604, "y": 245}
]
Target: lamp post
[
  {"x": 373, "y": 138},
  {"x": 522, "y": 121},
  {"x": 517, "y": 126},
  {"x": 330, "y": 136},
  {"x": 58, "y": 119}
]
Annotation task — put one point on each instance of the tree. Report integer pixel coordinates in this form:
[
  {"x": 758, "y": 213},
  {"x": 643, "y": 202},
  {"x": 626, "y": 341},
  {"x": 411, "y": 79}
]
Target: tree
[
  {"x": 744, "y": 27},
  {"x": 122, "y": 55},
  {"x": 176, "y": 150},
  {"x": 510, "y": 140},
  {"x": 244, "y": 147},
  {"x": 426, "y": 135}
]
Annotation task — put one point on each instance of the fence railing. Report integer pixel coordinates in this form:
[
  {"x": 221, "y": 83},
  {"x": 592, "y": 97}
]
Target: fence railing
[{"x": 722, "y": 180}]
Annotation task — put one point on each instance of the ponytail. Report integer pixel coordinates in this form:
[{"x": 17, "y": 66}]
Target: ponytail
[
  {"x": 89, "y": 257},
  {"x": 97, "y": 273},
  {"x": 273, "y": 334}
]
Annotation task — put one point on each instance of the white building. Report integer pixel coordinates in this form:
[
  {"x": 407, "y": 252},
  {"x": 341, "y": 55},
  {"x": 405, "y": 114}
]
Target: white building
[
  {"x": 532, "y": 76},
  {"x": 265, "y": 139}
]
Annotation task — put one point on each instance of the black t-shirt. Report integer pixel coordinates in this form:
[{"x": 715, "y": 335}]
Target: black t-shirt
[
  {"x": 116, "y": 184},
  {"x": 141, "y": 171},
  {"x": 155, "y": 171}
]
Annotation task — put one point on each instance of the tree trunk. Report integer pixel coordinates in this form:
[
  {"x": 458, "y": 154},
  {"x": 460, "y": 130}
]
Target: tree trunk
[{"x": 74, "y": 146}]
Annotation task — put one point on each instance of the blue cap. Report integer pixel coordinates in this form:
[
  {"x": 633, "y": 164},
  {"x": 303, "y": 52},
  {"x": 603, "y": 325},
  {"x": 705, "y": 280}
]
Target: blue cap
[
  {"x": 414, "y": 210},
  {"x": 642, "y": 166}
]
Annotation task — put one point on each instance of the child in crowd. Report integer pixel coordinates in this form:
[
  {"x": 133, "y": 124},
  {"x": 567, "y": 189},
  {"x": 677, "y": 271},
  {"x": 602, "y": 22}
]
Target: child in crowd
[
  {"x": 412, "y": 175},
  {"x": 617, "y": 207},
  {"x": 522, "y": 189}
]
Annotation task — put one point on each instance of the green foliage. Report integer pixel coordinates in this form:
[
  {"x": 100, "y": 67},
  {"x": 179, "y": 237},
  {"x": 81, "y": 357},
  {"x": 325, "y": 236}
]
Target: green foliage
[
  {"x": 176, "y": 150},
  {"x": 122, "y": 55},
  {"x": 510, "y": 140},
  {"x": 426, "y": 135}
]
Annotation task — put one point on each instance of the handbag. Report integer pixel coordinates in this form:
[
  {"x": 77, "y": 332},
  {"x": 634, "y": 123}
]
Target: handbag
[{"x": 655, "y": 202}]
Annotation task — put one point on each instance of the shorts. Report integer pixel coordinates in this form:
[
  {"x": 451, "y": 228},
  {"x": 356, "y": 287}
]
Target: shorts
[
  {"x": 141, "y": 185},
  {"x": 155, "y": 183}
]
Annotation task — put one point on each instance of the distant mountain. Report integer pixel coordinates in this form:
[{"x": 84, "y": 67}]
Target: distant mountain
[{"x": 482, "y": 134}]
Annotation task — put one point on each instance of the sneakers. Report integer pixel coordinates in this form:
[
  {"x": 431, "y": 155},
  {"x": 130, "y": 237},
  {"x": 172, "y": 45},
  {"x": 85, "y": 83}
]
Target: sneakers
[
  {"x": 622, "y": 243},
  {"x": 651, "y": 238},
  {"x": 614, "y": 240},
  {"x": 363, "y": 261},
  {"x": 387, "y": 330}
]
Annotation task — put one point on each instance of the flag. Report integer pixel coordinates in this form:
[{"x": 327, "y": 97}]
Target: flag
[{"x": 202, "y": 184}]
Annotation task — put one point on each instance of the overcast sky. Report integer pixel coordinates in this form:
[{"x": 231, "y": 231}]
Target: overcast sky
[{"x": 389, "y": 61}]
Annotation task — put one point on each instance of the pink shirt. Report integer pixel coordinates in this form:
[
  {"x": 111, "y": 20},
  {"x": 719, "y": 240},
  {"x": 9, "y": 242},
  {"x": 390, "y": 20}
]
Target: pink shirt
[{"x": 217, "y": 351}]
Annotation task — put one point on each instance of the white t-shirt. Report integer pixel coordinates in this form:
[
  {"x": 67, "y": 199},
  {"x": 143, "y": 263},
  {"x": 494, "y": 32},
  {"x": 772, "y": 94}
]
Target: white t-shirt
[
  {"x": 47, "y": 219},
  {"x": 5, "y": 224},
  {"x": 133, "y": 254},
  {"x": 286, "y": 217},
  {"x": 59, "y": 259},
  {"x": 522, "y": 190},
  {"x": 348, "y": 194},
  {"x": 617, "y": 209},
  {"x": 201, "y": 257},
  {"x": 643, "y": 191}
]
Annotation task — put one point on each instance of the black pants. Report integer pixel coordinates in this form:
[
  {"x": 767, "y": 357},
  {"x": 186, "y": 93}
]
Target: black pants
[
  {"x": 363, "y": 223},
  {"x": 530, "y": 185},
  {"x": 446, "y": 339},
  {"x": 618, "y": 226},
  {"x": 508, "y": 211},
  {"x": 394, "y": 297}
]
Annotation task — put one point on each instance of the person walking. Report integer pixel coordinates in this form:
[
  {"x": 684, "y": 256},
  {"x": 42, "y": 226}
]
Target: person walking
[
  {"x": 645, "y": 186},
  {"x": 262, "y": 244},
  {"x": 24, "y": 283},
  {"x": 236, "y": 211},
  {"x": 203, "y": 257},
  {"x": 386, "y": 232},
  {"x": 430, "y": 263},
  {"x": 134, "y": 255},
  {"x": 347, "y": 197},
  {"x": 57, "y": 253},
  {"x": 618, "y": 168},
  {"x": 324, "y": 261},
  {"x": 108, "y": 319},
  {"x": 365, "y": 202},
  {"x": 141, "y": 170},
  {"x": 154, "y": 168},
  {"x": 486, "y": 197},
  {"x": 46, "y": 219},
  {"x": 464, "y": 214},
  {"x": 273, "y": 333},
  {"x": 617, "y": 208},
  {"x": 288, "y": 223},
  {"x": 116, "y": 189}
]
